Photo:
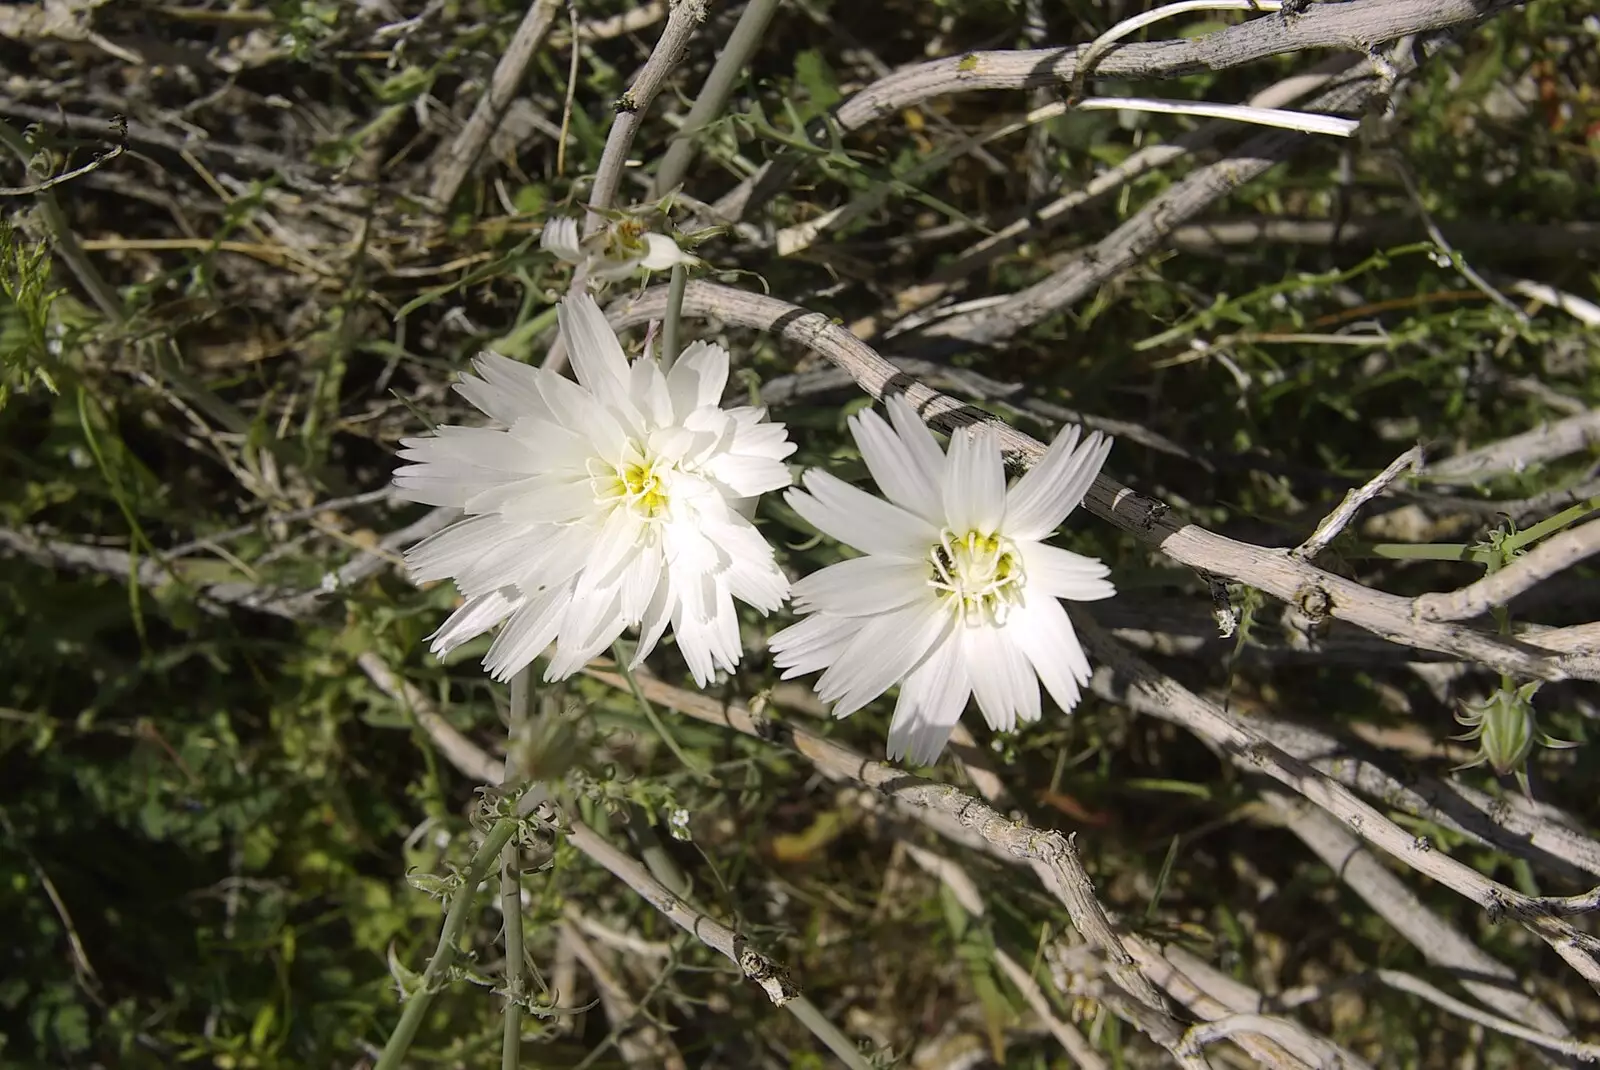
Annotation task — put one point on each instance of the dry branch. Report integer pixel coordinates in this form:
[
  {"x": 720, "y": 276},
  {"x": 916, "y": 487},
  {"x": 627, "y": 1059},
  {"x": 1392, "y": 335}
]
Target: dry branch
[
  {"x": 1359, "y": 26},
  {"x": 457, "y": 160}
]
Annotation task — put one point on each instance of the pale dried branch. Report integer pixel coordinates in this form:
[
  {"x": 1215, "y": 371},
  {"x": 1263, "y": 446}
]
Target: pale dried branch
[
  {"x": 1360, "y": 25},
  {"x": 1340, "y": 518},
  {"x": 1553, "y": 555},
  {"x": 1519, "y": 452},
  {"x": 456, "y": 161},
  {"x": 682, "y": 19},
  {"x": 1148, "y": 228},
  {"x": 1405, "y": 982},
  {"x": 640, "y": 1042},
  {"x": 1508, "y": 825},
  {"x": 1052, "y": 856},
  {"x": 1490, "y": 981},
  {"x": 755, "y": 966},
  {"x": 1212, "y": 995},
  {"x": 1273, "y": 571},
  {"x": 1255, "y": 752}
]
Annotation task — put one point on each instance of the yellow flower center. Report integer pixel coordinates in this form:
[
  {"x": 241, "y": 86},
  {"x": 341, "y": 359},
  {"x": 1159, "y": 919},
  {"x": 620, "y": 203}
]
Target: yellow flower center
[
  {"x": 637, "y": 483},
  {"x": 980, "y": 576}
]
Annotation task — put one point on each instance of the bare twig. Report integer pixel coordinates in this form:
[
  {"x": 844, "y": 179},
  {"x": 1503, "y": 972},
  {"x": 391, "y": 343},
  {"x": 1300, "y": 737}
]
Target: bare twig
[
  {"x": 1053, "y": 857},
  {"x": 1340, "y": 518},
  {"x": 742, "y": 43},
  {"x": 1490, "y": 981},
  {"x": 1361, "y": 25},
  {"x": 755, "y": 966},
  {"x": 1519, "y": 452},
  {"x": 1251, "y": 750},
  {"x": 457, "y": 161}
]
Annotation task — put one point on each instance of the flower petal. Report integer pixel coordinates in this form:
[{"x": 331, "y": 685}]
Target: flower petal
[
  {"x": 661, "y": 253},
  {"x": 974, "y": 482},
  {"x": 862, "y": 587},
  {"x": 561, "y": 237},
  {"x": 526, "y": 634},
  {"x": 1005, "y": 684},
  {"x": 931, "y": 701},
  {"x": 474, "y": 617},
  {"x": 895, "y": 468},
  {"x": 1044, "y": 634},
  {"x": 592, "y": 347},
  {"x": 1039, "y": 501},
  {"x": 917, "y": 438},
  {"x": 886, "y": 651},
  {"x": 860, "y": 520},
  {"x": 1060, "y": 573},
  {"x": 698, "y": 377}
]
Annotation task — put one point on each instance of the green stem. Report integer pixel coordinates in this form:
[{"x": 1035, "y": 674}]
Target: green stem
[
  {"x": 511, "y": 879},
  {"x": 1551, "y": 525},
  {"x": 808, "y": 1015},
  {"x": 649, "y": 711},
  {"x": 455, "y": 919},
  {"x": 670, "y": 330},
  {"x": 741, "y": 45},
  {"x": 66, "y": 241}
]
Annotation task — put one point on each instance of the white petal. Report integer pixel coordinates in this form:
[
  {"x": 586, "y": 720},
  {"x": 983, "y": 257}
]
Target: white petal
[
  {"x": 578, "y": 410},
  {"x": 1060, "y": 573},
  {"x": 1002, "y": 679},
  {"x": 474, "y": 617},
  {"x": 698, "y": 377},
  {"x": 537, "y": 500},
  {"x": 859, "y": 520},
  {"x": 446, "y": 553},
  {"x": 640, "y": 581},
  {"x": 647, "y": 389},
  {"x": 592, "y": 347},
  {"x": 657, "y": 615},
  {"x": 813, "y": 644},
  {"x": 506, "y": 390},
  {"x": 1044, "y": 634},
  {"x": 662, "y": 253},
  {"x": 761, "y": 439},
  {"x": 930, "y": 703},
  {"x": 561, "y": 238},
  {"x": 1052, "y": 488},
  {"x": 895, "y": 469},
  {"x": 743, "y": 476},
  {"x": 885, "y": 652},
  {"x": 974, "y": 482},
  {"x": 591, "y": 625},
  {"x": 917, "y": 438},
  {"x": 862, "y": 586},
  {"x": 526, "y": 634}
]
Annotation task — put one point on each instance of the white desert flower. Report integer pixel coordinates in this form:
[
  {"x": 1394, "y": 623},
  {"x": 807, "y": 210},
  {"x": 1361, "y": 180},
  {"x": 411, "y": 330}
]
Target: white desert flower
[
  {"x": 956, "y": 593},
  {"x": 618, "y": 250},
  {"x": 618, "y": 501}
]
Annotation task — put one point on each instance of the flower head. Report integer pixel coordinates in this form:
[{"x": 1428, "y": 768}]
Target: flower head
[
  {"x": 618, "y": 501},
  {"x": 957, "y": 593},
  {"x": 620, "y": 249}
]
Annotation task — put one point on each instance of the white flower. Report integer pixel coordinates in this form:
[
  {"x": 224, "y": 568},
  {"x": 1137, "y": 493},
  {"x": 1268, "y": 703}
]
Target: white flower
[
  {"x": 619, "y": 501},
  {"x": 956, "y": 593},
  {"x": 618, "y": 250}
]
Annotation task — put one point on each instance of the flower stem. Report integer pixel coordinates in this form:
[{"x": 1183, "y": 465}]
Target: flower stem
[
  {"x": 742, "y": 43},
  {"x": 511, "y": 878},
  {"x": 670, "y": 329},
  {"x": 455, "y": 919}
]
